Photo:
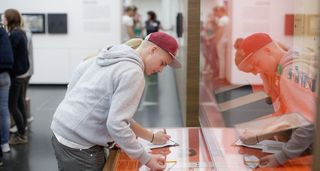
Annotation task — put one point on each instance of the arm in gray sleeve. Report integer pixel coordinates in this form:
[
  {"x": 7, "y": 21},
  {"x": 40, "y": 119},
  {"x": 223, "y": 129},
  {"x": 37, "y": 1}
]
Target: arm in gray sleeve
[
  {"x": 300, "y": 140},
  {"x": 125, "y": 101}
]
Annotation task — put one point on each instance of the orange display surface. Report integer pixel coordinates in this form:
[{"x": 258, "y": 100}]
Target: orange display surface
[
  {"x": 216, "y": 152},
  {"x": 124, "y": 163},
  {"x": 227, "y": 156},
  {"x": 191, "y": 154}
]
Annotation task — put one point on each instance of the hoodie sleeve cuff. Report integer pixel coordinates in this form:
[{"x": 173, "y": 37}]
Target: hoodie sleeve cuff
[
  {"x": 145, "y": 157},
  {"x": 281, "y": 157}
]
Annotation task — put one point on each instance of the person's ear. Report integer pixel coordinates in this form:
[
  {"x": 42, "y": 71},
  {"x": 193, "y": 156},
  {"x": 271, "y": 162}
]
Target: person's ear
[
  {"x": 270, "y": 55},
  {"x": 267, "y": 51},
  {"x": 153, "y": 49}
]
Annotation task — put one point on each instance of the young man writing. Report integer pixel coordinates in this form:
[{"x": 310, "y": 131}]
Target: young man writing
[{"x": 101, "y": 99}]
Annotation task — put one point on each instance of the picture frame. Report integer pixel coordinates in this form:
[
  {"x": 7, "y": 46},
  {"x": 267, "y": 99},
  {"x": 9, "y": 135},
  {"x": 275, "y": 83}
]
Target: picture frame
[
  {"x": 57, "y": 23},
  {"x": 289, "y": 25},
  {"x": 35, "y": 22},
  {"x": 313, "y": 24},
  {"x": 299, "y": 24}
]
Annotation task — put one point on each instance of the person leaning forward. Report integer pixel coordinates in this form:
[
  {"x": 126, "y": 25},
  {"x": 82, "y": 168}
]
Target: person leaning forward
[
  {"x": 285, "y": 75},
  {"x": 100, "y": 101}
]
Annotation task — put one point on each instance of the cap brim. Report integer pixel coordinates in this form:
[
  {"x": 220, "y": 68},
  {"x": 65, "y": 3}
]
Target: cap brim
[{"x": 175, "y": 63}]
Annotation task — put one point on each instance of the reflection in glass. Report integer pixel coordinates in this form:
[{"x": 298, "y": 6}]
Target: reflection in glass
[{"x": 271, "y": 75}]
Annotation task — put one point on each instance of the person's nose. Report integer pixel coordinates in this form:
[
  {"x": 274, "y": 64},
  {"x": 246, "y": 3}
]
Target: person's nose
[{"x": 254, "y": 72}]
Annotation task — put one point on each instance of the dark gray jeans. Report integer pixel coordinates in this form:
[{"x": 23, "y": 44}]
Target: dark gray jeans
[{"x": 70, "y": 159}]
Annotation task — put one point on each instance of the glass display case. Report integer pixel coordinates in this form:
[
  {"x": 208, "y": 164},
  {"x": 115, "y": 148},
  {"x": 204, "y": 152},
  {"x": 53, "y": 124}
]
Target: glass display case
[{"x": 259, "y": 63}]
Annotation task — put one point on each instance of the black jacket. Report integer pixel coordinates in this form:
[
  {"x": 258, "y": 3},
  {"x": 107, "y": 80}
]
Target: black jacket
[
  {"x": 19, "y": 46},
  {"x": 152, "y": 26},
  {"x": 6, "y": 54}
]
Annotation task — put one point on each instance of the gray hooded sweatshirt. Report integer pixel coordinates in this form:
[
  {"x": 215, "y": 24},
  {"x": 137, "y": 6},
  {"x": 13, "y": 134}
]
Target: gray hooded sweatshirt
[{"x": 101, "y": 100}]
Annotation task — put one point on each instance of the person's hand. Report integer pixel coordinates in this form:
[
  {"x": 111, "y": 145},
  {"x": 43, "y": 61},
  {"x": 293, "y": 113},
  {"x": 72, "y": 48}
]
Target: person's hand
[
  {"x": 248, "y": 137},
  {"x": 157, "y": 162},
  {"x": 160, "y": 137},
  {"x": 268, "y": 161}
]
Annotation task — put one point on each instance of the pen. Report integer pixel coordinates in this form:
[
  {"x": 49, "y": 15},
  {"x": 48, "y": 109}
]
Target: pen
[
  {"x": 251, "y": 161},
  {"x": 171, "y": 161},
  {"x": 164, "y": 130},
  {"x": 175, "y": 144}
]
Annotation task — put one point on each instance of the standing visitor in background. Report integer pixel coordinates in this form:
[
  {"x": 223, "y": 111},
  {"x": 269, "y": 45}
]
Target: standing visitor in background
[
  {"x": 12, "y": 19},
  {"x": 209, "y": 47},
  {"x": 221, "y": 38},
  {"x": 6, "y": 64},
  {"x": 137, "y": 24},
  {"x": 152, "y": 24},
  {"x": 29, "y": 73},
  {"x": 127, "y": 24},
  {"x": 24, "y": 105}
]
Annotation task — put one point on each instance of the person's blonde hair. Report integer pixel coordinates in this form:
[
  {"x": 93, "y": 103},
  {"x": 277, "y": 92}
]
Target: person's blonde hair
[{"x": 134, "y": 43}]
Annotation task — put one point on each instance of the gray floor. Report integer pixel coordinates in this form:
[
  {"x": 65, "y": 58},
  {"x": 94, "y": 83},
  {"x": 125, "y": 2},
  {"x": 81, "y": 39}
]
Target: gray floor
[
  {"x": 159, "y": 108},
  {"x": 160, "y": 105},
  {"x": 247, "y": 112}
]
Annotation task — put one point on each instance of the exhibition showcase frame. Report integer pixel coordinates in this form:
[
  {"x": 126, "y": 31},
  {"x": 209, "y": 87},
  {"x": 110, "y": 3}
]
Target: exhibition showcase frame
[{"x": 35, "y": 22}]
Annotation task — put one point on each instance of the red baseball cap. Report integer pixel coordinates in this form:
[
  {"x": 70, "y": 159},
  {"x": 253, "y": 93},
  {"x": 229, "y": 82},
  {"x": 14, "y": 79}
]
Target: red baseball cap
[
  {"x": 167, "y": 43},
  {"x": 250, "y": 45}
]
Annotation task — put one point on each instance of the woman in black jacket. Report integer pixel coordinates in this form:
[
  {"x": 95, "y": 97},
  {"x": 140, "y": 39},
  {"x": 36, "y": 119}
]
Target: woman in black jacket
[
  {"x": 152, "y": 24},
  {"x": 18, "y": 39}
]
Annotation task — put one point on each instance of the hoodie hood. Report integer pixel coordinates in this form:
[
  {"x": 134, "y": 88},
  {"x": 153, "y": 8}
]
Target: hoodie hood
[{"x": 109, "y": 56}]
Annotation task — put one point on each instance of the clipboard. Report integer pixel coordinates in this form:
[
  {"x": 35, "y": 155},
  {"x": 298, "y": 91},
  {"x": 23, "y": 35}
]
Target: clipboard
[
  {"x": 273, "y": 124},
  {"x": 151, "y": 146}
]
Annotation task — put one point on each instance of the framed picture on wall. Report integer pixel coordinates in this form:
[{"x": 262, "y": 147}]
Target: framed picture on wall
[
  {"x": 57, "y": 23},
  {"x": 289, "y": 25},
  {"x": 313, "y": 24},
  {"x": 35, "y": 22},
  {"x": 299, "y": 24}
]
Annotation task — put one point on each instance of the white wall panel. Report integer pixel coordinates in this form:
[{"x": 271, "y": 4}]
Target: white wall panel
[
  {"x": 92, "y": 24},
  {"x": 51, "y": 66}
]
